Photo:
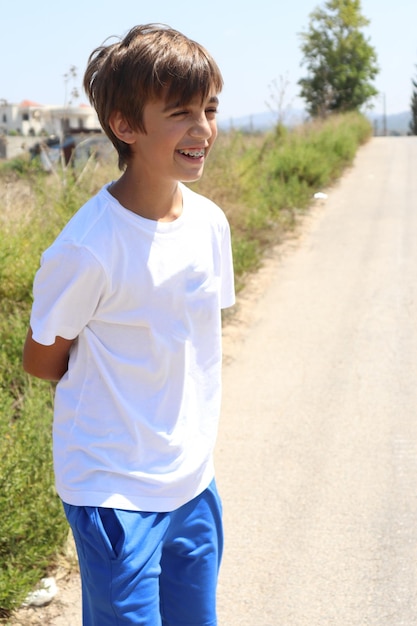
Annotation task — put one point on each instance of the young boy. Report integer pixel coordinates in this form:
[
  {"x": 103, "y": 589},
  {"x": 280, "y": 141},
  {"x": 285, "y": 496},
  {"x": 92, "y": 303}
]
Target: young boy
[{"x": 126, "y": 317}]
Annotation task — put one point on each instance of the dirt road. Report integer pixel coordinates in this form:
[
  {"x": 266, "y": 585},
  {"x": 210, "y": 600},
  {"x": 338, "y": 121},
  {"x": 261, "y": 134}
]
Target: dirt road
[
  {"x": 317, "y": 452},
  {"x": 317, "y": 455}
]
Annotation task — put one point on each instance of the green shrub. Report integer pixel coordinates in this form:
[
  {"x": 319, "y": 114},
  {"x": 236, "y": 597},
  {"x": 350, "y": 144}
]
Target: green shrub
[
  {"x": 265, "y": 182},
  {"x": 32, "y": 522}
]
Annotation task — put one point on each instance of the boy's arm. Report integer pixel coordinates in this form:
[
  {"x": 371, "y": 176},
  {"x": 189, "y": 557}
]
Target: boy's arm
[{"x": 48, "y": 362}]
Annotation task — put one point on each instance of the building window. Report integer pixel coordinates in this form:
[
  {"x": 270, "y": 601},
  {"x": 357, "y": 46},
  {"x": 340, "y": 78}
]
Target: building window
[{"x": 4, "y": 120}]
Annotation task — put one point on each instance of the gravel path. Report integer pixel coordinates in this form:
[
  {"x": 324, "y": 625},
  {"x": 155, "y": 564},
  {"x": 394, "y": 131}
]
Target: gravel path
[{"x": 317, "y": 455}]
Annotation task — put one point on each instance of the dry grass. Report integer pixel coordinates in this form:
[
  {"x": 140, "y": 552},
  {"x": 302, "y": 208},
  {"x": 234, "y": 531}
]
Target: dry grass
[{"x": 17, "y": 202}]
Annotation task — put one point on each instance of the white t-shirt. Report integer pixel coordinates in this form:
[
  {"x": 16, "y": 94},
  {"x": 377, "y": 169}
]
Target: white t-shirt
[{"x": 135, "y": 417}]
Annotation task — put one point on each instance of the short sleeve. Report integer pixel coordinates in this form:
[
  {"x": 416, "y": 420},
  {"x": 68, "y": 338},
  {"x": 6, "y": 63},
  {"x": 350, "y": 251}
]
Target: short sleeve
[{"x": 67, "y": 289}]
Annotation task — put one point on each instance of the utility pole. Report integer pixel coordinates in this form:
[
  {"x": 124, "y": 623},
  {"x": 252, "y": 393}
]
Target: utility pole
[{"x": 384, "y": 108}]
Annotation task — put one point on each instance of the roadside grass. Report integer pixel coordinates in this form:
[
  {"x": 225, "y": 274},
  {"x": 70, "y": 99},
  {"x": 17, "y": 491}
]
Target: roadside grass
[
  {"x": 34, "y": 207},
  {"x": 266, "y": 182},
  {"x": 263, "y": 182}
]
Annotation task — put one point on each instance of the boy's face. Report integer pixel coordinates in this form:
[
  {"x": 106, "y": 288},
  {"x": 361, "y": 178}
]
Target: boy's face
[{"x": 177, "y": 140}]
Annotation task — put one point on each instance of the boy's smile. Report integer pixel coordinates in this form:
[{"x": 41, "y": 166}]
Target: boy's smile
[{"x": 193, "y": 155}]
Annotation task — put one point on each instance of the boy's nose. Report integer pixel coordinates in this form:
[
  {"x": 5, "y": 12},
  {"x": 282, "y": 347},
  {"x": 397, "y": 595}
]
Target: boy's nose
[{"x": 201, "y": 128}]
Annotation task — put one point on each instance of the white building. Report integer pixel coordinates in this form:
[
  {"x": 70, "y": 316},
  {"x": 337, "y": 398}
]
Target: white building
[{"x": 32, "y": 119}]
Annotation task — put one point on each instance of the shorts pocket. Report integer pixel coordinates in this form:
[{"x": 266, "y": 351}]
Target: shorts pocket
[{"x": 112, "y": 530}]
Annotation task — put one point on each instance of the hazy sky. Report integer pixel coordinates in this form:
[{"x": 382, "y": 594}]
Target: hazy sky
[{"x": 255, "y": 43}]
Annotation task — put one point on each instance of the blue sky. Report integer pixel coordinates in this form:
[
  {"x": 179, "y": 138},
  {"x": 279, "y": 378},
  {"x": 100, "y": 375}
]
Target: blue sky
[{"x": 255, "y": 44}]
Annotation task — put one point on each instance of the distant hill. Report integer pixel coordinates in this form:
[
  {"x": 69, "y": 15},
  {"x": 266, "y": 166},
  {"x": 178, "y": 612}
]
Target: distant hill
[
  {"x": 397, "y": 124},
  {"x": 262, "y": 121}
]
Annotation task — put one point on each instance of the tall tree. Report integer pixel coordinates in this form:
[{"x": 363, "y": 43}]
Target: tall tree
[
  {"x": 340, "y": 61},
  {"x": 413, "y": 123}
]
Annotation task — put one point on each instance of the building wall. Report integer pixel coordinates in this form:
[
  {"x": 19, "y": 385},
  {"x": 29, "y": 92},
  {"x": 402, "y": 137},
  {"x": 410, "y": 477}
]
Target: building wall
[
  {"x": 30, "y": 119},
  {"x": 12, "y": 147}
]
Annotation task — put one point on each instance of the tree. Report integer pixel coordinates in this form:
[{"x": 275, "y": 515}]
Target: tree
[
  {"x": 340, "y": 61},
  {"x": 413, "y": 123}
]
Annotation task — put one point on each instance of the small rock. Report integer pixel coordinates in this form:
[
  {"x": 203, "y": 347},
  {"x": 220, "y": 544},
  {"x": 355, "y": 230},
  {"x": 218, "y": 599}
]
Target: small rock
[{"x": 46, "y": 591}]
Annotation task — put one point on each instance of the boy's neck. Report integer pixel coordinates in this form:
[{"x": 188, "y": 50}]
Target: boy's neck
[{"x": 152, "y": 202}]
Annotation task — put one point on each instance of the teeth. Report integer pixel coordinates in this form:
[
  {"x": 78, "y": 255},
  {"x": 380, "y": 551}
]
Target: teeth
[{"x": 193, "y": 153}]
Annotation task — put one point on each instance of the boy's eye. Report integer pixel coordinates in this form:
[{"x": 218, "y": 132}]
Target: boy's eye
[{"x": 212, "y": 111}]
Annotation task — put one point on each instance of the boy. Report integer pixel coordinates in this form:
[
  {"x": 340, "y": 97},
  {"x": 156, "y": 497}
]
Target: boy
[{"x": 126, "y": 317}]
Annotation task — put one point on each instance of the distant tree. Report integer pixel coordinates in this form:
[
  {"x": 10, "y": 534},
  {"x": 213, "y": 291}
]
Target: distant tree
[
  {"x": 340, "y": 61},
  {"x": 276, "y": 101},
  {"x": 413, "y": 123}
]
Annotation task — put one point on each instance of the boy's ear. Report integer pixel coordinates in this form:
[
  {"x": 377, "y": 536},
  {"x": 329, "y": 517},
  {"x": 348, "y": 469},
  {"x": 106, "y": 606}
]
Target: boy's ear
[{"x": 121, "y": 128}]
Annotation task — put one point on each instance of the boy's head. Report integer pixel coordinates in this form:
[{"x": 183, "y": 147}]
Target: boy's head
[{"x": 152, "y": 62}]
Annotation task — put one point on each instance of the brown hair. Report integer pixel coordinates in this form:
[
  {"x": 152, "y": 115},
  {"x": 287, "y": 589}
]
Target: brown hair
[{"x": 152, "y": 61}]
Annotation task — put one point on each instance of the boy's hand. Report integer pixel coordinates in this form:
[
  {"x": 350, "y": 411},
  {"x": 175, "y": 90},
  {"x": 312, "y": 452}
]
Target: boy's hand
[{"x": 48, "y": 362}]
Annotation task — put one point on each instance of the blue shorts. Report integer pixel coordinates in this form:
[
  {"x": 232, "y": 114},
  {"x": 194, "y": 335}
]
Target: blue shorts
[{"x": 151, "y": 569}]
